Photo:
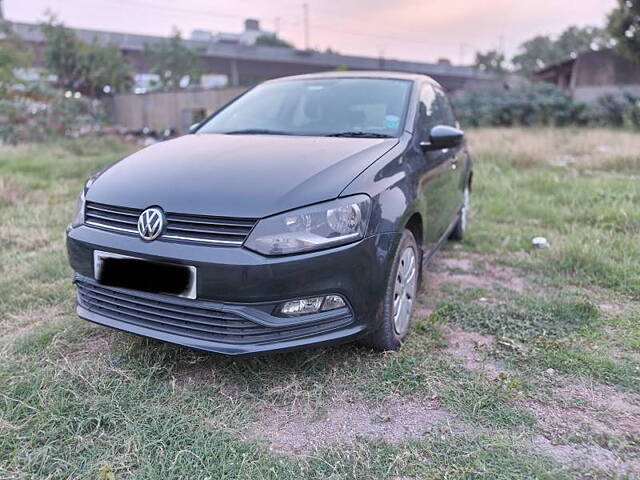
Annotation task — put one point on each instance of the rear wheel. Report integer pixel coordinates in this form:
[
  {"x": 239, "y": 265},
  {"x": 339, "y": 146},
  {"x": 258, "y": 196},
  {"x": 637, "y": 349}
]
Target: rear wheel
[
  {"x": 400, "y": 296},
  {"x": 461, "y": 225}
]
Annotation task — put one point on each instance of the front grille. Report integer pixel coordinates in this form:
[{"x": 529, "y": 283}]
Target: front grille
[
  {"x": 190, "y": 318},
  {"x": 180, "y": 227}
]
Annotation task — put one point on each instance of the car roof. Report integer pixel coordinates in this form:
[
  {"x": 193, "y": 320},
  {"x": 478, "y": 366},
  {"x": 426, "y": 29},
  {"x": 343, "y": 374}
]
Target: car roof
[{"x": 413, "y": 77}]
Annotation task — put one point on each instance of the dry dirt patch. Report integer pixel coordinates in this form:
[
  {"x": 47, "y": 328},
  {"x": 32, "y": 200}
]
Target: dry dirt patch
[
  {"x": 471, "y": 349},
  {"x": 592, "y": 457},
  {"x": 343, "y": 422},
  {"x": 469, "y": 270},
  {"x": 595, "y": 410},
  {"x": 616, "y": 412}
]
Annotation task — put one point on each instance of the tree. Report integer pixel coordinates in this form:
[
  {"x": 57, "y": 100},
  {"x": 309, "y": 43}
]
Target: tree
[
  {"x": 537, "y": 53},
  {"x": 103, "y": 70},
  {"x": 61, "y": 52},
  {"x": 575, "y": 40},
  {"x": 543, "y": 51},
  {"x": 491, "y": 62},
  {"x": 13, "y": 56},
  {"x": 624, "y": 27},
  {"x": 91, "y": 69},
  {"x": 272, "y": 41},
  {"x": 173, "y": 61}
]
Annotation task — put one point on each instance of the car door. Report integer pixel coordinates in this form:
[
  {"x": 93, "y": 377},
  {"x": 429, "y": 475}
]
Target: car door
[
  {"x": 437, "y": 182},
  {"x": 455, "y": 157}
]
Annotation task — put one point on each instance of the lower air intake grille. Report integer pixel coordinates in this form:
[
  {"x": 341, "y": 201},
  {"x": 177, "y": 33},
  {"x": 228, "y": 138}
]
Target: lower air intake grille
[{"x": 189, "y": 318}]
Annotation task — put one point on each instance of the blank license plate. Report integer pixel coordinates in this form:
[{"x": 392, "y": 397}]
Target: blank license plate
[{"x": 147, "y": 276}]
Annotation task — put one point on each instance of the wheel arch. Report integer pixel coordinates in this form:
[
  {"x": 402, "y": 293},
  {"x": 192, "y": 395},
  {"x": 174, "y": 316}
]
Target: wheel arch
[{"x": 416, "y": 226}]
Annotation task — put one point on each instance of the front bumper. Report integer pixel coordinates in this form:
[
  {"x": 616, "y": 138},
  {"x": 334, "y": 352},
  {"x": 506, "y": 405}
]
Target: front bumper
[{"x": 237, "y": 292}]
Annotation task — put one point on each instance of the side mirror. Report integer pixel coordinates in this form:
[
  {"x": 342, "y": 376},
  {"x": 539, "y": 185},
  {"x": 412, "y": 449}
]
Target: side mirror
[
  {"x": 194, "y": 127},
  {"x": 443, "y": 136}
]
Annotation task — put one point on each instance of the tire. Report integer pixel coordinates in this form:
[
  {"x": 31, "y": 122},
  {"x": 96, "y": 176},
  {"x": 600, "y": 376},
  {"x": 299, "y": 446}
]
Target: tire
[
  {"x": 396, "y": 317},
  {"x": 460, "y": 228}
]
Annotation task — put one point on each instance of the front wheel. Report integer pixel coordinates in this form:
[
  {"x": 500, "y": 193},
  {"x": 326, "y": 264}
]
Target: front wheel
[{"x": 400, "y": 296}]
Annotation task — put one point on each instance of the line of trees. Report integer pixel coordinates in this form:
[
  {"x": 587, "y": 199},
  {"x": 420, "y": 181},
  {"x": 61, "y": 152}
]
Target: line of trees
[
  {"x": 96, "y": 70},
  {"x": 622, "y": 33},
  {"x": 89, "y": 68}
]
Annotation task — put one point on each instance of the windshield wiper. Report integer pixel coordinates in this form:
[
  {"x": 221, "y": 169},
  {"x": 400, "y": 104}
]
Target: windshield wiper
[
  {"x": 356, "y": 134},
  {"x": 256, "y": 131}
]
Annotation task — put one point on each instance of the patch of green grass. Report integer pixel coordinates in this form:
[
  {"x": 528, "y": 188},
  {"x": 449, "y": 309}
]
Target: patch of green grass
[
  {"x": 446, "y": 456},
  {"x": 586, "y": 361},
  {"x": 78, "y": 401},
  {"x": 524, "y": 317},
  {"x": 627, "y": 331},
  {"x": 560, "y": 332},
  {"x": 38, "y": 167},
  {"x": 590, "y": 220},
  {"x": 37, "y": 341},
  {"x": 468, "y": 395},
  {"x": 85, "y": 418}
]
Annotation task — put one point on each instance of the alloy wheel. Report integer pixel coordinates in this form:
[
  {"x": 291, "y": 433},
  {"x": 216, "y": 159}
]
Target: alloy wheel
[{"x": 404, "y": 291}]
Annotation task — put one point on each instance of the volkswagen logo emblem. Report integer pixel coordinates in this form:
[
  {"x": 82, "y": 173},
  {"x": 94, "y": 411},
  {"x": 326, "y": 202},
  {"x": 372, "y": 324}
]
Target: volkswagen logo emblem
[{"x": 151, "y": 223}]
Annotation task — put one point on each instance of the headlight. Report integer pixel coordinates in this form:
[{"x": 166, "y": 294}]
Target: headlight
[
  {"x": 312, "y": 228},
  {"x": 78, "y": 216}
]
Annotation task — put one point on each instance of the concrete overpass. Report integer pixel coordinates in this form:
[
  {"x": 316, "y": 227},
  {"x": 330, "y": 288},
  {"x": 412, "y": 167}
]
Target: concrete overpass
[{"x": 247, "y": 65}]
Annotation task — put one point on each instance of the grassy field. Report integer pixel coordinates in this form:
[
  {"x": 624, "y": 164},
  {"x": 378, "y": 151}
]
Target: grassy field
[{"x": 522, "y": 363}]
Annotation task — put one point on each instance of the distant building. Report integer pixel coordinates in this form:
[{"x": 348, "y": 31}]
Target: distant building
[
  {"x": 249, "y": 36},
  {"x": 593, "y": 74},
  {"x": 237, "y": 58}
]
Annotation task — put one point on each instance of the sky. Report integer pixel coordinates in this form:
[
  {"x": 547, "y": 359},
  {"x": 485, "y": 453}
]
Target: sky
[{"x": 420, "y": 30}]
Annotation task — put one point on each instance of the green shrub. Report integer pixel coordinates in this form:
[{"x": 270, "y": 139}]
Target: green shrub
[
  {"x": 534, "y": 104},
  {"x": 38, "y": 112}
]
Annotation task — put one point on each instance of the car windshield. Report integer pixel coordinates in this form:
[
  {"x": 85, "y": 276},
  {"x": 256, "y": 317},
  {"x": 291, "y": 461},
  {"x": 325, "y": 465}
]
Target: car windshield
[{"x": 348, "y": 107}]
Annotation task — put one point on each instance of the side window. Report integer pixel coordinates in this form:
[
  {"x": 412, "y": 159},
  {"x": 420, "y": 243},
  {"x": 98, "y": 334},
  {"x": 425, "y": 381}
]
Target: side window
[
  {"x": 444, "y": 111},
  {"x": 426, "y": 108}
]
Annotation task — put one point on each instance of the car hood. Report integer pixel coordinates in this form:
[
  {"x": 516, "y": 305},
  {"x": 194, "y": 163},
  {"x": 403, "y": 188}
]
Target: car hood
[{"x": 250, "y": 176}]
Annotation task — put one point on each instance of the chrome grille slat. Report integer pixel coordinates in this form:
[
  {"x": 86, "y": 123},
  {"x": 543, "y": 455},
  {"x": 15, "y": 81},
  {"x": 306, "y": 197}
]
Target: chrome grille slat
[
  {"x": 190, "y": 238},
  {"x": 213, "y": 231},
  {"x": 226, "y": 222},
  {"x": 114, "y": 219},
  {"x": 181, "y": 227},
  {"x": 111, "y": 227},
  {"x": 117, "y": 210}
]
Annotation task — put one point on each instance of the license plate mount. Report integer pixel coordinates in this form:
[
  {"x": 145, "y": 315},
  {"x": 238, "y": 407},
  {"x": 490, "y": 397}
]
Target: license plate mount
[{"x": 134, "y": 273}]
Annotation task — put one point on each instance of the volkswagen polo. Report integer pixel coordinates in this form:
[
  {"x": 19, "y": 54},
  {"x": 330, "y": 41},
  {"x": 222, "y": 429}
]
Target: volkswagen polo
[{"x": 299, "y": 214}]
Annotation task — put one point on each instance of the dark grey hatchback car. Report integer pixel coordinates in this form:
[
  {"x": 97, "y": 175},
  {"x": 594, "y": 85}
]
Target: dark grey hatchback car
[{"x": 299, "y": 214}]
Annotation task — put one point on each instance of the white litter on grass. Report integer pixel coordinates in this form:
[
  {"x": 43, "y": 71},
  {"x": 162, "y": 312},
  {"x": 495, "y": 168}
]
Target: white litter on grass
[{"x": 540, "y": 242}]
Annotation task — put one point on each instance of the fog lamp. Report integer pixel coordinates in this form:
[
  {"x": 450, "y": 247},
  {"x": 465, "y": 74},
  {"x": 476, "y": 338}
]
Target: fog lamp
[
  {"x": 331, "y": 302},
  {"x": 305, "y": 306}
]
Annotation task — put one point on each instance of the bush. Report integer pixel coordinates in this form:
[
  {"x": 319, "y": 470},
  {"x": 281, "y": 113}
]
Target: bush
[
  {"x": 542, "y": 104},
  {"x": 617, "y": 111},
  {"x": 36, "y": 112}
]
